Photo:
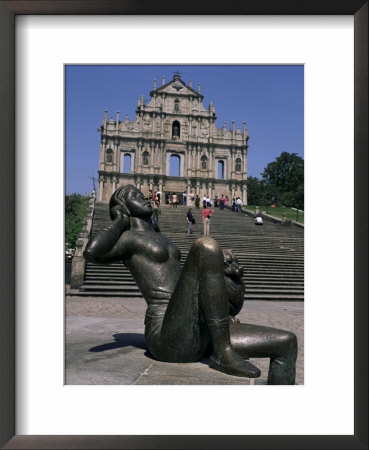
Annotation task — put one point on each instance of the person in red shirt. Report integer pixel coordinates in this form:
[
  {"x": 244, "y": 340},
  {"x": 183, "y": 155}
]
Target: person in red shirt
[{"x": 206, "y": 213}]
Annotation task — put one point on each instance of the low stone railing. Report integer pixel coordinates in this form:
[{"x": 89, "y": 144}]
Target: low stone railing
[
  {"x": 269, "y": 217},
  {"x": 79, "y": 262}
]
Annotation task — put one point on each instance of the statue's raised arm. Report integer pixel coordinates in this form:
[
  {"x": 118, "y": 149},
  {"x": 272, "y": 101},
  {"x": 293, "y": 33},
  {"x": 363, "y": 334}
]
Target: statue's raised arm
[{"x": 108, "y": 245}]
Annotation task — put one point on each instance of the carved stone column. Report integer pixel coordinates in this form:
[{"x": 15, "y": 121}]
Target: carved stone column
[
  {"x": 210, "y": 190},
  {"x": 159, "y": 156},
  {"x": 139, "y": 157},
  {"x": 153, "y": 124},
  {"x": 151, "y": 147},
  {"x": 188, "y": 200},
  {"x": 197, "y": 187},
  {"x": 156, "y": 158},
  {"x": 244, "y": 153},
  {"x": 189, "y": 160},
  {"x": 101, "y": 187},
  {"x": 138, "y": 182},
  {"x": 102, "y": 153},
  {"x": 212, "y": 167},
  {"x": 192, "y": 160},
  {"x": 198, "y": 159},
  {"x": 231, "y": 164},
  {"x": 162, "y": 126},
  {"x": 244, "y": 194}
]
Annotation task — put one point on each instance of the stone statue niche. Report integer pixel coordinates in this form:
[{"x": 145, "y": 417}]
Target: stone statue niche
[{"x": 191, "y": 312}]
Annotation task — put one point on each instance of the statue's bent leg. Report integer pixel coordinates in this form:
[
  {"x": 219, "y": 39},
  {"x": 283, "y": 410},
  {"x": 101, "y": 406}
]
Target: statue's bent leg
[
  {"x": 263, "y": 342},
  {"x": 198, "y": 310}
]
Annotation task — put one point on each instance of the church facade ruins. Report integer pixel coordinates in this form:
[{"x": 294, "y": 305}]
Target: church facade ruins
[{"x": 173, "y": 146}]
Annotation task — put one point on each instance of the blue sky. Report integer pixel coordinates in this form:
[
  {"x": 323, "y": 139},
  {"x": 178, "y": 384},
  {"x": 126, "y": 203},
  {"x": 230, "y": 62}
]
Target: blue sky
[{"x": 269, "y": 98}]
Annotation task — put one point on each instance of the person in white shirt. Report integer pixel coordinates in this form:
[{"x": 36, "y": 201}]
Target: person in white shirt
[
  {"x": 258, "y": 220},
  {"x": 204, "y": 201},
  {"x": 239, "y": 204}
]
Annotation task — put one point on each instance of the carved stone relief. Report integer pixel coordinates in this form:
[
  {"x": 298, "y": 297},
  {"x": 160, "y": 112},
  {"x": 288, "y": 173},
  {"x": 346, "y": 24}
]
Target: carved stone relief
[
  {"x": 147, "y": 122},
  {"x": 204, "y": 129}
]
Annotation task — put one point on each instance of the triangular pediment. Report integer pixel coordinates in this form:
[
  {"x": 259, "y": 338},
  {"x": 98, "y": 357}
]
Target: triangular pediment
[{"x": 176, "y": 87}]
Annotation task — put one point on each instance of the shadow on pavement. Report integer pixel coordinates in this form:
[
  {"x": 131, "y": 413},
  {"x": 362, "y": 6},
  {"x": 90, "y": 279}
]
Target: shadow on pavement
[
  {"x": 122, "y": 340},
  {"x": 133, "y": 340}
]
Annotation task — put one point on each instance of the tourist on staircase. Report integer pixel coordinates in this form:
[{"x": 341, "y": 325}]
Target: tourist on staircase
[
  {"x": 190, "y": 221},
  {"x": 204, "y": 201},
  {"x": 206, "y": 214},
  {"x": 174, "y": 200},
  {"x": 234, "y": 205},
  {"x": 197, "y": 202},
  {"x": 239, "y": 204},
  {"x": 221, "y": 202},
  {"x": 258, "y": 220}
]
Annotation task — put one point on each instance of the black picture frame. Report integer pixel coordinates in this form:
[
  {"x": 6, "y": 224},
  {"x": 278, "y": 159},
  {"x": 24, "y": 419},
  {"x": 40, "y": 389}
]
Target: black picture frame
[{"x": 8, "y": 282}]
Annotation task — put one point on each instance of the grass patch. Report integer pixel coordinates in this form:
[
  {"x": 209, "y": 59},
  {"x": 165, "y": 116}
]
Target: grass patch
[{"x": 278, "y": 211}]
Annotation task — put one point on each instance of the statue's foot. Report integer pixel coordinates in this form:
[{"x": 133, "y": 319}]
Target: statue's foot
[{"x": 232, "y": 363}]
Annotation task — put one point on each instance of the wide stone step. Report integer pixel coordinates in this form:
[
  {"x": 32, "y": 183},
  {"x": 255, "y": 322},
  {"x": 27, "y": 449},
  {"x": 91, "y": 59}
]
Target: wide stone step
[
  {"x": 275, "y": 297},
  {"x": 250, "y": 285},
  {"x": 97, "y": 287},
  {"x": 274, "y": 290},
  {"x": 107, "y": 293},
  {"x": 249, "y": 281},
  {"x": 107, "y": 276},
  {"x": 102, "y": 282},
  {"x": 137, "y": 294},
  {"x": 272, "y": 270}
]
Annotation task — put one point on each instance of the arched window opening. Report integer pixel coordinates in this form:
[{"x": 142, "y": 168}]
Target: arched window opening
[
  {"x": 145, "y": 158},
  {"x": 220, "y": 170},
  {"x": 238, "y": 165},
  {"x": 204, "y": 162},
  {"x": 109, "y": 155},
  {"x": 176, "y": 129},
  {"x": 127, "y": 163},
  {"x": 174, "y": 166}
]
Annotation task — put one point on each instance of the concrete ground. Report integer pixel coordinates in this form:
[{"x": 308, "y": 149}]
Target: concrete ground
[{"x": 105, "y": 343}]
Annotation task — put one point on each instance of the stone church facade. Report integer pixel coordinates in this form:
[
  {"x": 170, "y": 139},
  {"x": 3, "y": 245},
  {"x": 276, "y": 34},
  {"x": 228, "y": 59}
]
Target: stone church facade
[{"x": 173, "y": 124}]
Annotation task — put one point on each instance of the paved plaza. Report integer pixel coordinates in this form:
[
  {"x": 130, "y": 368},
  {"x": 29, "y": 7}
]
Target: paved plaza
[{"x": 105, "y": 344}]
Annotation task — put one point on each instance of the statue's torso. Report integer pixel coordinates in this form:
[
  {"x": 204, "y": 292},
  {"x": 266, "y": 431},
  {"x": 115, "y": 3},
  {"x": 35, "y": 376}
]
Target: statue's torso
[{"x": 154, "y": 264}]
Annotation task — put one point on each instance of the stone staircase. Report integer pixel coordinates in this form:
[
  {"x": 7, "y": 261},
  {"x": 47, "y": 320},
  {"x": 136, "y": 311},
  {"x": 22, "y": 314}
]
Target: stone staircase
[{"x": 272, "y": 255}]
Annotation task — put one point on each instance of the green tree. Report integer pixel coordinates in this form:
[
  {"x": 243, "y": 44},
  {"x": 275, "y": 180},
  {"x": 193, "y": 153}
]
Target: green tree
[
  {"x": 284, "y": 179},
  {"x": 75, "y": 211},
  {"x": 255, "y": 191}
]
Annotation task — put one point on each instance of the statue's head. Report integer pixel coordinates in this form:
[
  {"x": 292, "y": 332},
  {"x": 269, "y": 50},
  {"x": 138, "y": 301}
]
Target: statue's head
[
  {"x": 132, "y": 201},
  {"x": 232, "y": 267}
]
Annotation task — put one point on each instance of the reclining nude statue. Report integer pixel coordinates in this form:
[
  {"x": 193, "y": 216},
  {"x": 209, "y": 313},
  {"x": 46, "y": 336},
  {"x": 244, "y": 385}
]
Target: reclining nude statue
[{"x": 191, "y": 311}]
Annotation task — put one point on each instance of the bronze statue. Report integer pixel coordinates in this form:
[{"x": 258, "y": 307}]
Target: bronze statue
[{"x": 191, "y": 310}]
